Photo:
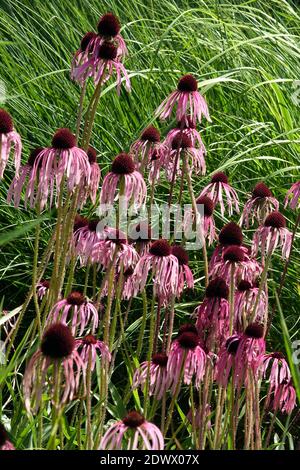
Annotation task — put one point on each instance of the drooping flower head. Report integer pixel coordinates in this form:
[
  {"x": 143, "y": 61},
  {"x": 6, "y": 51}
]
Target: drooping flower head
[
  {"x": 87, "y": 233},
  {"x": 226, "y": 361},
  {"x": 183, "y": 144},
  {"x": 158, "y": 383},
  {"x": 216, "y": 188},
  {"x": 133, "y": 433},
  {"x": 244, "y": 300},
  {"x": 271, "y": 235},
  {"x": 88, "y": 349},
  {"x": 165, "y": 268},
  {"x": 58, "y": 350},
  {"x": 9, "y": 139},
  {"x": 187, "y": 127},
  {"x": 190, "y": 104},
  {"x": 185, "y": 275},
  {"x": 123, "y": 174},
  {"x": 61, "y": 164},
  {"x": 212, "y": 315},
  {"x": 260, "y": 205},
  {"x": 141, "y": 237},
  {"x": 279, "y": 373},
  {"x": 284, "y": 398},
  {"x": 293, "y": 196},
  {"x": 147, "y": 147},
  {"x": 208, "y": 222},
  {"x": 186, "y": 355},
  {"x": 76, "y": 310},
  {"x": 231, "y": 234},
  {"x": 5, "y": 443},
  {"x": 115, "y": 247},
  {"x": 107, "y": 64},
  {"x": 42, "y": 288}
]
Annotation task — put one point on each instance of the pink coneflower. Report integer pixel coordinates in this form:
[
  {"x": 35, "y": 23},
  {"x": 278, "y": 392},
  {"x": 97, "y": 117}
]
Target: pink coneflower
[
  {"x": 185, "y": 275},
  {"x": 5, "y": 443},
  {"x": 141, "y": 237},
  {"x": 189, "y": 129},
  {"x": 208, "y": 222},
  {"x": 158, "y": 382},
  {"x": 8, "y": 138},
  {"x": 86, "y": 59},
  {"x": 165, "y": 270},
  {"x": 293, "y": 196},
  {"x": 108, "y": 63},
  {"x": 218, "y": 185},
  {"x": 58, "y": 350},
  {"x": 21, "y": 180},
  {"x": 123, "y": 173},
  {"x": 95, "y": 173},
  {"x": 104, "y": 251},
  {"x": 147, "y": 146},
  {"x": 284, "y": 398},
  {"x": 272, "y": 234},
  {"x": 244, "y": 299},
  {"x": 77, "y": 309},
  {"x": 230, "y": 234},
  {"x": 132, "y": 433},
  {"x": 259, "y": 206},
  {"x": 226, "y": 361},
  {"x": 88, "y": 347},
  {"x": 190, "y": 104},
  {"x": 127, "y": 288},
  {"x": 195, "y": 156},
  {"x": 85, "y": 239},
  {"x": 280, "y": 371},
  {"x": 212, "y": 316},
  {"x": 53, "y": 165},
  {"x": 42, "y": 288},
  {"x": 243, "y": 265},
  {"x": 186, "y": 354}
]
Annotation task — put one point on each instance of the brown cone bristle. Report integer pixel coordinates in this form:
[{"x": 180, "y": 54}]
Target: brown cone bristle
[
  {"x": 151, "y": 134},
  {"x": 6, "y": 122},
  {"x": 92, "y": 155},
  {"x": 217, "y": 288},
  {"x": 89, "y": 340},
  {"x": 244, "y": 286},
  {"x": 155, "y": 155},
  {"x": 160, "y": 359},
  {"x": 123, "y": 164},
  {"x": 231, "y": 234},
  {"x": 86, "y": 40},
  {"x": 234, "y": 254},
  {"x": 160, "y": 248},
  {"x": 33, "y": 155},
  {"x": 128, "y": 272},
  {"x": 107, "y": 51},
  {"x": 108, "y": 25},
  {"x": 255, "y": 330},
  {"x": 187, "y": 328},
  {"x": 187, "y": 123},
  {"x": 275, "y": 220},
  {"x": 63, "y": 139},
  {"x": 219, "y": 177},
  {"x": 76, "y": 298},
  {"x": 133, "y": 419},
  {"x": 92, "y": 225},
  {"x": 188, "y": 340},
  {"x": 207, "y": 204},
  {"x": 181, "y": 254},
  {"x": 261, "y": 190},
  {"x": 57, "y": 341},
  {"x": 45, "y": 283},
  {"x": 232, "y": 345},
  {"x": 80, "y": 222},
  {"x": 277, "y": 355},
  {"x": 187, "y": 83},
  {"x": 182, "y": 141},
  {"x": 3, "y": 435}
]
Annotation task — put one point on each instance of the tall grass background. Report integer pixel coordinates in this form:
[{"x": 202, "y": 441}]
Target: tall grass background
[{"x": 246, "y": 56}]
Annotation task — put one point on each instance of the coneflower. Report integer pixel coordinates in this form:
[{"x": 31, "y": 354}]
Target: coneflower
[
  {"x": 89, "y": 347},
  {"x": 86, "y": 234},
  {"x": 107, "y": 63},
  {"x": 9, "y": 138},
  {"x": 284, "y": 399},
  {"x": 57, "y": 349},
  {"x": 212, "y": 315},
  {"x": 115, "y": 247},
  {"x": 147, "y": 147},
  {"x": 158, "y": 381},
  {"x": 260, "y": 205},
  {"x": 208, "y": 222},
  {"x": 165, "y": 268},
  {"x": 219, "y": 185},
  {"x": 195, "y": 156},
  {"x": 292, "y": 197},
  {"x": 5, "y": 443},
  {"x": 140, "y": 236},
  {"x": 271, "y": 235},
  {"x": 226, "y": 360},
  {"x": 132, "y": 433},
  {"x": 190, "y": 104},
  {"x": 95, "y": 173},
  {"x": 62, "y": 161},
  {"x": 124, "y": 176},
  {"x": 244, "y": 299},
  {"x": 279, "y": 373},
  {"x": 230, "y": 234},
  {"x": 76, "y": 310},
  {"x": 187, "y": 356},
  {"x": 185, "y": 275},
  {"x": 189, "y": 129},
  {"x": 42, "y": 288}
]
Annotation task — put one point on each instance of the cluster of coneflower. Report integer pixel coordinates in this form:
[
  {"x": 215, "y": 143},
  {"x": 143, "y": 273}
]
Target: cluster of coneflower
[{"x": 214, "y": 369}]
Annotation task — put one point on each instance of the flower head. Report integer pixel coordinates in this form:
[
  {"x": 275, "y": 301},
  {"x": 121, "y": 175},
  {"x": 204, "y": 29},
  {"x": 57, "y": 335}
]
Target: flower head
[
  {"x": 158, "y": 383},
  {"x": 260, "y": 205},
  {"x": 183, "y": 144},
  {"x": 9, "y": 138},
  {"x": 293, "y": 196},
  {"x": 185, "y": 275},
  {"x": 5, "y": 443},
  {"x": 271, "y": 235},
  {"x": 218, "y": 186},
  {"x": 88, "y": 349}
]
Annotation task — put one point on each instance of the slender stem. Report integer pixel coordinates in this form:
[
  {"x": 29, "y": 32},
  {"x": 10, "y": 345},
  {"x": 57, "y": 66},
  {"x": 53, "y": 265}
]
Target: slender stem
[
  {"x": 80, "y": 109},
  {"x": 231, "y": 298},
  {"x": 89, "y": 437},
  {"x": 150, "y": 350},
  {"x": 91, "y": 113},
  {"x": 176, "y": 163}
]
